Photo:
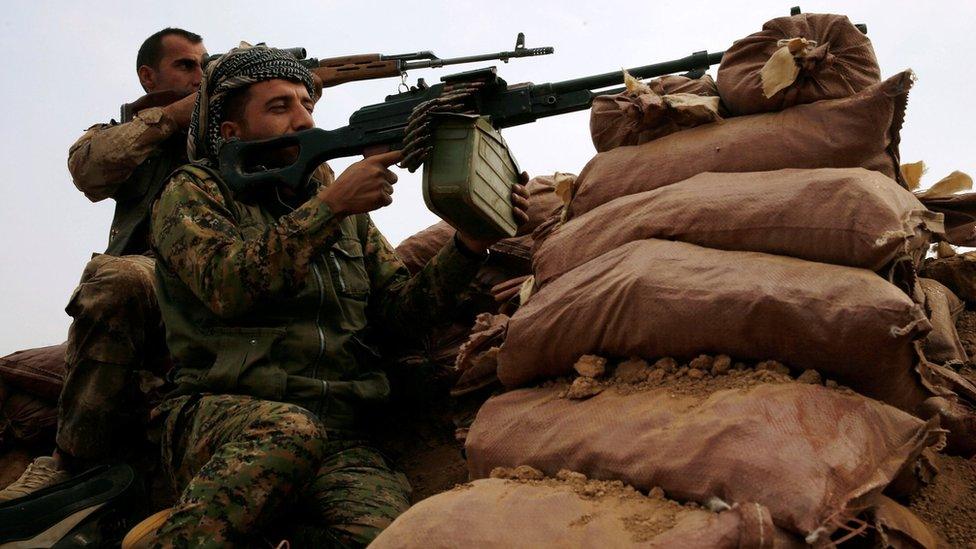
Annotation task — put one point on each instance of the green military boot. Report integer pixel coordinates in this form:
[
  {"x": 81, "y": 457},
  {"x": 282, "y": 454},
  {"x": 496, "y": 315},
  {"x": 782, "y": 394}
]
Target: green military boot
[{"x": 42, "y": 473}]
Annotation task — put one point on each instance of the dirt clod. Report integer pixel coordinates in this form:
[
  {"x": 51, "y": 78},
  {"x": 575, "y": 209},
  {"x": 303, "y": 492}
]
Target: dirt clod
[
  {"x": 722, "y": 365},
  {"x": 633, "y": 370},
  {"x": 591, "y": 366},
  {"x": 695, "y": 373},
  {"x": 583, "y": 387},
  {"x": 810, "y": 376},
  {"x": 773, "y": 366},
  {"x": 701, "y": 362},
  {"x": 667, "y": 364}
]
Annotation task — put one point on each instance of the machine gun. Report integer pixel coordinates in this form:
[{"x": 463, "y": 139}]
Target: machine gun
[
  {"x": 383, "y": 124},
  {"x": 339, "y": 70}
]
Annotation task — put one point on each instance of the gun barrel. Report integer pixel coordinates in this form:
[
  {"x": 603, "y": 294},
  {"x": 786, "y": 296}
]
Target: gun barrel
[
  {"x": 699, "y": 60},
  {"x": 502, "y": 55}
]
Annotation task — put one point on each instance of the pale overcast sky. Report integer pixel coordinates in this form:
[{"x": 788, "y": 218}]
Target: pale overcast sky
[{"x": 68, "y": 65}]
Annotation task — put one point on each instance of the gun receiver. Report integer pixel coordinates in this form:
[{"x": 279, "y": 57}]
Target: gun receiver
[{"x": 383, "y": 124}]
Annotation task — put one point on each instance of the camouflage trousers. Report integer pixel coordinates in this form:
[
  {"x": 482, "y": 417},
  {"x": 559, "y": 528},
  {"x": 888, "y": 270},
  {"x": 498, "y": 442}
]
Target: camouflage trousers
[
  {"x": 115, "y": 344},
  {"x": 254, "y": 468}
]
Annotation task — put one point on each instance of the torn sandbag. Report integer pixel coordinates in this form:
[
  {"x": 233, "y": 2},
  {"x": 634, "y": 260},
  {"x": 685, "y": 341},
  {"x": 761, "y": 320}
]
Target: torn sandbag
[
  {"x": 521, "y": 508},
  {"x": 844, "y": 216},
  {"x": 763, "y": 444},
  {"x": 646, "y": 112},
  {"x": 654, "y": 298},
  {"x": 858, "y": 131},
  {"x": 796, "y": 60}
]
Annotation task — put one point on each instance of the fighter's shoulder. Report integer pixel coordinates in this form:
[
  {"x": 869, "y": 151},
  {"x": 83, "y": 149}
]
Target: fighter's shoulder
[{"x": 192, "y": 180}]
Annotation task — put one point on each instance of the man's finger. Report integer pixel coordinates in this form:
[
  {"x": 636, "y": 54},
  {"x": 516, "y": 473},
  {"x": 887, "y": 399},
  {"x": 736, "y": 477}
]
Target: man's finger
[
  {"x": 390, "y": 177},
  {"x": 388, "y": 159},
  {"x": 524, "y": 178}
]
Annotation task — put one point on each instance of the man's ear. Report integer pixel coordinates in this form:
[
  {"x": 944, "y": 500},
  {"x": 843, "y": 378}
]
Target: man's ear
[
  {"x": 147, "y": 77},
  {"x": 229, "y": 129}
]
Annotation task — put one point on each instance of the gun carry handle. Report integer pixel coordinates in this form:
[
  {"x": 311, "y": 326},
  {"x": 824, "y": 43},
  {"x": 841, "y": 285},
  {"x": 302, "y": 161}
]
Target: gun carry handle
[{"x": 339, "y": 70}]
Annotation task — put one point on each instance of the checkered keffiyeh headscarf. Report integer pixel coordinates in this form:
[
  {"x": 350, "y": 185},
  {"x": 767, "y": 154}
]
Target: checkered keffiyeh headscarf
[{"x": 238, "y": 68}]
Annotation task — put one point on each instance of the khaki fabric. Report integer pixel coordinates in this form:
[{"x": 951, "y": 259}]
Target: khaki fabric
[
  {"x": 857, "y": 131},
  {"x": 506, "y": 513},
  {"x": 837, "y": 60},
  {"x": 664, "y": 106},
  {"x": 943, "y": 307},
  {"x": 848, "y": 216},
  {"x": 808, "y": 453},
  {"x": 656, "y": 298}
]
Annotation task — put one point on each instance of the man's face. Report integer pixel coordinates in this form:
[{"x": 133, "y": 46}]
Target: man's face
[
  {"x": 272, "y": 108},
  {"x": 179, "y": 69}
]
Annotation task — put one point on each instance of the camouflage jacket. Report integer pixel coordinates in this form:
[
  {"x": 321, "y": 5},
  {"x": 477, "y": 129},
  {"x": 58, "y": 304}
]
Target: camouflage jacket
[
  {"x": 130, "y": 163},
  {"x": 287, "y": 305}
]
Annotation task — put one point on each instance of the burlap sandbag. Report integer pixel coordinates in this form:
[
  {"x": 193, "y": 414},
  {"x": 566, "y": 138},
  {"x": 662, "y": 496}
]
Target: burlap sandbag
[
  {"x": 960, "y": 216},
  {"x": 848, "y": 216},
  {"x": 662, "y": 106},
  {"x": 810, "y": 454},
  {"x": 39, "y": 372},
  {"x": 657, "y": 298},
  {"x": 858, "y": 131},
  {"x": 507, "y": 513},
  {"x": 958, "y": 273},
  {"x": 942, "y": 306},
  {"x": 836, "y": 61}
]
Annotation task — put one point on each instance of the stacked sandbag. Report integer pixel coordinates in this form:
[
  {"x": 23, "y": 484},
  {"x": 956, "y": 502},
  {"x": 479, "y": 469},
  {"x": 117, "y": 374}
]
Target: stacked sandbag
[
  {"x": 846, "y": 216},
  {"x": 942, "y": 344},
  {"x": 653, "y": 298},
  {"x": 857, "y": 131},
  {"x": 644, "y": 112},
  {"x": 523, "y": 508},
  {"x": 714, "y": 431},
  {"x": 796, "y": 60},
  {"x": 31, "y": 382}
]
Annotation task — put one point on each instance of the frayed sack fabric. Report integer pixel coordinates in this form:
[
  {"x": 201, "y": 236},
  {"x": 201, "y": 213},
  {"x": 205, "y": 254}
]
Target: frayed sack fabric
[
  {"x": 658, "y": 298},
  {"x": 857, "y": 131},
  {"x": 796, "y": 60},
  {"x": 843, "y": 216},
  {"x": 649, "y": 111},
  {"x": 767, "y": 444},
  {"x": 508, "y": 513},
  {"x": 39, "y": 372}
]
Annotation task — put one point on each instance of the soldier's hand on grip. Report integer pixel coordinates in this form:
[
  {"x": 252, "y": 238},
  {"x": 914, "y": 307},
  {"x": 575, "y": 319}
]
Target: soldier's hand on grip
[{"x": 364, "y": 186}]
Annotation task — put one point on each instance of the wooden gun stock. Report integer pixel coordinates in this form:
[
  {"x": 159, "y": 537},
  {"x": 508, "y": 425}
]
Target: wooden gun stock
[
  {"x": 339, "y": 70},
  {"x": 153, "y": 99}
]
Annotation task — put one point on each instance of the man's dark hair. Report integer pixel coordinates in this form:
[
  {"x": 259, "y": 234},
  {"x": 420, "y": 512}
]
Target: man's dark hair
[
  {"x": 235, "y": 103},
  {"x": 151, "y": 51}
]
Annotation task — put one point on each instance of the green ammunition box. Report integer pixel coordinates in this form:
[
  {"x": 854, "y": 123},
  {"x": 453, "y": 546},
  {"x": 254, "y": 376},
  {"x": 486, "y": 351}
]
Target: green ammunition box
[{"x": 468, "y": 177}]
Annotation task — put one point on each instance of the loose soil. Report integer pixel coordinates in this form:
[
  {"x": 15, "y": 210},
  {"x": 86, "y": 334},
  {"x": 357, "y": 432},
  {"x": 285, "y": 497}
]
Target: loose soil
[
  {"x": 653, "y": 513},
  {"x": 701, "y": 377},
  {"x": 948, "y": 505}
]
